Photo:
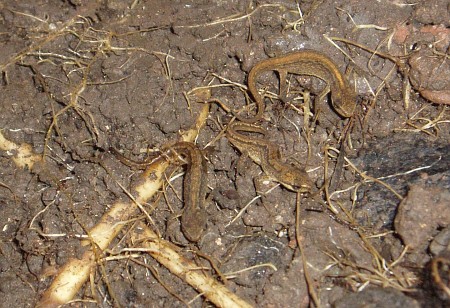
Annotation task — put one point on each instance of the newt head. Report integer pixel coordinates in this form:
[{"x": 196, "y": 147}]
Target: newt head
[
  {"x": 344, "y": 102},
  {"x": 296, "y": 179},
  {"x": 194, "y": 224}
]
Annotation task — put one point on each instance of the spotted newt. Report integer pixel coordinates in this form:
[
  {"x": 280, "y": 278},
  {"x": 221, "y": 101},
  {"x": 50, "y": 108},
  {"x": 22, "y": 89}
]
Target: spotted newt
[
  {"x": 310, "y": 63},
  {"x": 267, "y": 155}
]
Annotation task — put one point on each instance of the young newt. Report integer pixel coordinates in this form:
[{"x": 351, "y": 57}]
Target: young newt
[
  {"x": 267, "y": 155},
  {"x": 194, "y": 217},
  {"x": 310, "y": 63}
]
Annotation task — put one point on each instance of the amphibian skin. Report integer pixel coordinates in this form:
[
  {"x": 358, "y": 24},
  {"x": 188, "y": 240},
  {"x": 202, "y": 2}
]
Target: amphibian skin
[
  {"x": 310, "y": 63},
  {"x": 267, "y": 155},
  {"x": 194, "y": 217}
]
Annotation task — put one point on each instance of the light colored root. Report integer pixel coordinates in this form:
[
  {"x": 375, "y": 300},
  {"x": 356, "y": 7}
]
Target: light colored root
[
  {"x": 75, "y": 273},
  {"x": 22, "y": 154},
  {"x": 162, "y": 251}
]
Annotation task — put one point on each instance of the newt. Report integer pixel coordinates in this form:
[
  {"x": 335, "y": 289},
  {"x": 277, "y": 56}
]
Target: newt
[
  {"x": 194, "y": 217},
  {"x": 310, "y": 63},
  {"x": 267, "y": 155}
]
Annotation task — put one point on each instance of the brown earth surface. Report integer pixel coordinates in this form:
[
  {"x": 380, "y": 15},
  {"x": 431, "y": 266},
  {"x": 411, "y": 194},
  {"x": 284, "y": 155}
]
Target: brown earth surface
[{"x": 79, "y": 77}]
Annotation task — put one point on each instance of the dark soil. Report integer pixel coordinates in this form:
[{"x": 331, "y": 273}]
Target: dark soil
[{"x": 132, "y": 61}]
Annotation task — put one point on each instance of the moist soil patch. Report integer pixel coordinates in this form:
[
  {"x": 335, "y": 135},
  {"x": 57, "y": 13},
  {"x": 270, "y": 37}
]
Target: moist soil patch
[{"x": 80, "y": 78}]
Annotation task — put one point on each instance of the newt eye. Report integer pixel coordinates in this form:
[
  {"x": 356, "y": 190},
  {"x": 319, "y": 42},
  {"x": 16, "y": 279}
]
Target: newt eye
[
  {"x": 302, "y": 186},
  {"x": 305, "y": 188},
  {"x": 297, "y": 180}
]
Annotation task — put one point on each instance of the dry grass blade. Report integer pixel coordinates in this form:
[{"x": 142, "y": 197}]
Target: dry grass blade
[
  {"x": 309, "y": 282},
  {"x": 381, "y": 273},
  {"x": 441, "y": 266},
  {"x": 39, "y": 43},
  {"x": 426, "y": 124},
  {"x": 235, "y": 17}
]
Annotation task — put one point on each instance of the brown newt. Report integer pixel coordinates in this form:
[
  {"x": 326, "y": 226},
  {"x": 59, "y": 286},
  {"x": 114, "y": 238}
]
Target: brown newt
[
  {"x": 310, "y": 63},
  {"x": 267, "y": 155},
  {"x": 194, "y": 217}
]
